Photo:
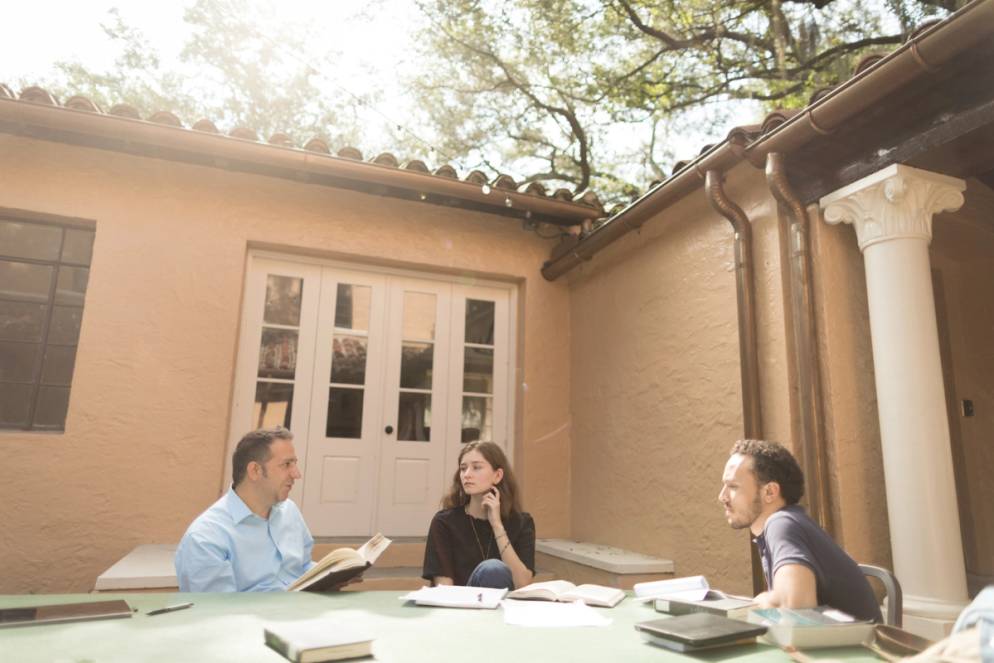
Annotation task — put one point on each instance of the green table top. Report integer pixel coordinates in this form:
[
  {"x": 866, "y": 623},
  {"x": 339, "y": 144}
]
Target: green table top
[{"x": 228, "y": 627}]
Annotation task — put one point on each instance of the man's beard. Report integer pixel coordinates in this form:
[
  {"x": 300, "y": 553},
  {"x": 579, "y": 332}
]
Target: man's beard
[{"x": 755, "y": 509}]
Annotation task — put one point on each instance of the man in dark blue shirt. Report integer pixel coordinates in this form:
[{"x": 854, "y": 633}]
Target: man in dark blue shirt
[{"x": 804, "y": 567}]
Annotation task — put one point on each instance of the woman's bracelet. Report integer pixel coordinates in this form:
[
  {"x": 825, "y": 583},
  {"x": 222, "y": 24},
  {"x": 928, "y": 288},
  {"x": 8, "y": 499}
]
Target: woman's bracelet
[
  {"x": 502, "y": 534},
  {"x": 505, "y": 547}
]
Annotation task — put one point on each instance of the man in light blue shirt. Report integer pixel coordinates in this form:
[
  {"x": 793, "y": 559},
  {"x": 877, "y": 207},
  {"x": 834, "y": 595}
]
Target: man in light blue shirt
[{"x": 253, "y": 539}]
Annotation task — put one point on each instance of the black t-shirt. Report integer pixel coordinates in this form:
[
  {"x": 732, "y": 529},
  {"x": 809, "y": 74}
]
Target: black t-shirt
[
  {"x": 453, "y": 548},
  {"x": 791, "y": 537}
]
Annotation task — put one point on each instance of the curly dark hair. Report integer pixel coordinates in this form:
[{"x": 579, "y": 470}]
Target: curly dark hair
[{"x": 771, "y": 461}]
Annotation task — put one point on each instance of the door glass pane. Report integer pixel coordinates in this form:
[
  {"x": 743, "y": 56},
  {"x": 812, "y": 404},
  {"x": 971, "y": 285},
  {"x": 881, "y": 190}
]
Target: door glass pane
[
  {"x": 478, "y": 370},
  {"x": 30, "y": 240},
  {"x": 53, "y": 403},
  {"x": 78, "y": 247},
  {"x": 479, "y": 322},
  {"x": 278, "y": 353},
  {"x": 17, "y": 361},
  {"x": 419, "y": 316},
  {"x": 65, "y": 325},
  {"x": 58, "y": 366},
  {"x": 273, "y": 404},
  {"x": 21, "y": 321},
  {"x": 352, "y": 304},
  {"x": 344, "y": 413},
  {"x": 20, "y": 280},
  {"x": 72, "y": 285},
  {"x": 477, "y": 419},
  {"x": 414, "y": 417},
  {"x": 348, "y": 361},
  {"x": 15, "y": 401},
  {"x": 283, "y": 295},
  {"x": 415, "y": 365}
]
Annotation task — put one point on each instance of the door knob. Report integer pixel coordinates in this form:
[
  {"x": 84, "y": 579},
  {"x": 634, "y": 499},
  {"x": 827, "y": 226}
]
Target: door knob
[{"x": 388, "y": 429}]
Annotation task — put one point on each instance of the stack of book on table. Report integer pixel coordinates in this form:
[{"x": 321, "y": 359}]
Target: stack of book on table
[
  {"x": 714, "y": 602},
  {"x": 698, "y": 632},
  {"x": 810, "y": 628}
]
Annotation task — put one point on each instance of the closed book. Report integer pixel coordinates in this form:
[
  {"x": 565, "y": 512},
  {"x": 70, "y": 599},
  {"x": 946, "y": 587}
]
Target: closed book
[
  {"x": 699, "y": 631},
  {"x": 64, "y": 612},
  {"x": 811, "y": 628},
  {"x": 715, "y": 603},
  {"x": 316, "y": 640}
]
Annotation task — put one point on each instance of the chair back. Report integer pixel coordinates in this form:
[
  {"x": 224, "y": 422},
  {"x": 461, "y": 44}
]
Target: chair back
[{"x": 892, "y": 587}]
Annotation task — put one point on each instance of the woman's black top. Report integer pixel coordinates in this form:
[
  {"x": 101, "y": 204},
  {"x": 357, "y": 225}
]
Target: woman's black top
[{"x": 454, "y": 549}]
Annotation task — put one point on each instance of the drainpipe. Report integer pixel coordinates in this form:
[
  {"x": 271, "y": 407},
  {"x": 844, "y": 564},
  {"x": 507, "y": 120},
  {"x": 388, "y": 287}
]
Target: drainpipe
[
  {"x": 806, "y": 375},
  {"x": 746, "y": 299},
  {"x": 746, "y": 307}
]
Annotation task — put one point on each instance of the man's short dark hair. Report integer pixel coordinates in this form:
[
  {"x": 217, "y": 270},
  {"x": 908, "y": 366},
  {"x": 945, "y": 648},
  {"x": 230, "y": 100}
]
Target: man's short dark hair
[
  {"x": 254, "y": 447},
  {"x": 772, "y": 462}
]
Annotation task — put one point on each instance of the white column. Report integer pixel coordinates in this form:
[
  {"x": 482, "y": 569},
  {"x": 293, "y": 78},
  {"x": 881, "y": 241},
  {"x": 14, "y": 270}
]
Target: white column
[{"x": 891, "y": 211}]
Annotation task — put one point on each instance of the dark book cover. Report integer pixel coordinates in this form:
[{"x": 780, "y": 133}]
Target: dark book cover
[{"x": 701, "y": 629}]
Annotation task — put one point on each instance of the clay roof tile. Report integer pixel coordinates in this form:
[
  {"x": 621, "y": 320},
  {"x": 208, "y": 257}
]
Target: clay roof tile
[
  {"x": 386, "y": 159},
  {"x": 281, "y": 139},
  {"x": 416, "y": 165},
  {"x": 563, "y": 194},
  {"x": 206, "y": 126},
  {"x": 244, "y": 133},
  {"x": 349, "y": 152},
  {"x": 165, "y": 117},
  {"x": 79, "y": 102},
  {"x": 535, "y": 188},
  {"x": 590, "y": 199},
  {"x": 37, "y": 95},
  {"x": 124, "y": 110},
  {"x": 317, "y": 144},
  {"x": 445, "y": 170},
  {"x": 505, "y": 182},
  {"x": 477, "y": 177}
]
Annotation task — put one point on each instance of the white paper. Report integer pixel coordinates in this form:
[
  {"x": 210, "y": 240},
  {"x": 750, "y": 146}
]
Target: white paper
[
  {"x": 551, "y": 615},
  {"x": 456, "y": 596}
]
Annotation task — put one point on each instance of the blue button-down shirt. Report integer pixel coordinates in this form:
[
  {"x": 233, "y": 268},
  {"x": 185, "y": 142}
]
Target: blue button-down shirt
[{"x": 230, "y": 549}]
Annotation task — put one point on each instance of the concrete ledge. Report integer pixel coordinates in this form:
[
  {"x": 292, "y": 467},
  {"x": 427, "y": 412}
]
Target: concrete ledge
[
  {"x": 606, "y": 558},
  {"x": 147, "y": 567}
]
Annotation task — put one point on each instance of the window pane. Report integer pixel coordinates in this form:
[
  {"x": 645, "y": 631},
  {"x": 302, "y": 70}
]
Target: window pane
[
  {"x": 21, "y": 321},
  {"x": 65, "y": 325},
  {"x": 414, "y": 417},
  {"x": 283, "y": 295},
  {"x": 15, "y": 402},
  {"x": 18, "y": 361},
  {"x": 348, "y": 361},
  {"x": 478, "y": 370},
  {"x": 477, "y": 418},
  {"x": 415, "y": 365},
  {"x": 344, "y": 413},
  {"x": 273, "y": 404},
  {"x": 352, "y": 304},
  {"x": 30, "y": 240},
  {"x": 479, "y": 322},
  {"x": 419, "y": 316},
  {"x": 78, "y": 247},
  {"x": 278, "y": 354},
  {"x": 59, "y": 361},
  {"x": 72, "y": 285},
  {"x": 53, "y": 403},
  {"x": 20, "y": 280}
]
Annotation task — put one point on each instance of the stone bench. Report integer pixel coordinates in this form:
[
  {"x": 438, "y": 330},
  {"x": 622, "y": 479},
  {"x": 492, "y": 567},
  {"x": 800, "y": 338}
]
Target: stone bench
[
  {"x": 594, "y": 563},
  {"x": 147, "y": 568}
]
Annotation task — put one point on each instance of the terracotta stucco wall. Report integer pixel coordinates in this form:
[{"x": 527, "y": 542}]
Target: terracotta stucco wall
[
  {"x": 656, "y": 385},
  {"x": 144, "y": 446},
  {"x": 963, "y": 266}
]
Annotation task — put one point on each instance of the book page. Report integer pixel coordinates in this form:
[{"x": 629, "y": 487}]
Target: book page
[
  {"x": 456, "y": 596},
  {"x": 691, "y": 588},
  {"x": 596, "y": 595},
  {"x": 340, "y": 558},
  {"x": 549, "y": 590},
  {"x": 372, "y": 549}
]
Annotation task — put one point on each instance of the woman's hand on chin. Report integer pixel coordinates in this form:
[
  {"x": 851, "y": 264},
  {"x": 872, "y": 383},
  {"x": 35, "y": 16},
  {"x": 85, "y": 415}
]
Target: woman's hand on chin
[{"x": 491, "y": 505}]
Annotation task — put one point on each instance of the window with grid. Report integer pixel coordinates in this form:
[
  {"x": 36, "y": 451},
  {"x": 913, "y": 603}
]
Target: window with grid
[{"x": 44, "y": 268}]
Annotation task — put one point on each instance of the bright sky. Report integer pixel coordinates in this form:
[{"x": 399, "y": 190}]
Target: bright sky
[{"x": 374, "y": 38}]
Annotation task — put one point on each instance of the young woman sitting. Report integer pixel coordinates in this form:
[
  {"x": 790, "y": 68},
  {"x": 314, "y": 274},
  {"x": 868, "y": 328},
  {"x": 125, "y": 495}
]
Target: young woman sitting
[{"x": 481, "y": 538}]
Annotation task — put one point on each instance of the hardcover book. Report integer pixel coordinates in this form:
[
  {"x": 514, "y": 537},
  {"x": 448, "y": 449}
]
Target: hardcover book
[
  {"x": 697, "y": 632},
  {"x": 315, "y": 641},
  {"x": 340, "y": 566},
  {"x": 811, "y": 628},
  {"x": 716, "y": 603}
]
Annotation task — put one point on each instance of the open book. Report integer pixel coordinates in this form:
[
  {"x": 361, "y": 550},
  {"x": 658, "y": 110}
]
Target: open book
[
  {"x": 690, "y": 588},
  {"x": 340, "y": 565},
  {"x": 562, "y": 590}
]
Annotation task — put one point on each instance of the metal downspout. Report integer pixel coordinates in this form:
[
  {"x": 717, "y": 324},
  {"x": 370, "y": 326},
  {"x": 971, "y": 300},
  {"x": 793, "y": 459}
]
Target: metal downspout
[
  {"x": 806, "y": 373},
  {"x": 746, "y": 300},
  {"x": 752, "y": 424}
]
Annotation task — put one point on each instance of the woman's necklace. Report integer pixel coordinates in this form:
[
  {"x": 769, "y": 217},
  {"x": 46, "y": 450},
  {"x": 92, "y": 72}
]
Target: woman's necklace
[{"x": 477, "y": 537}]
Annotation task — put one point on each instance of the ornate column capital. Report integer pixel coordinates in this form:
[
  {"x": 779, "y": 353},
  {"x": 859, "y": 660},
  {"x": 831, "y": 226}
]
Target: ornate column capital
[{"x": 893, "y": 203}]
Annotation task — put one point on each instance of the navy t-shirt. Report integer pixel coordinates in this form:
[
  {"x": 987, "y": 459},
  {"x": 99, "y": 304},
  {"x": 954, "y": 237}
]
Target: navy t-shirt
[{"x": 791, "y": 537}]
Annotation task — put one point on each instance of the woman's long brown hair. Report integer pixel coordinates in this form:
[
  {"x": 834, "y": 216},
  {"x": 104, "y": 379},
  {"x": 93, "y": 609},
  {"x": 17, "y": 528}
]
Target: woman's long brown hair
[{"x": 510, "y": 501}]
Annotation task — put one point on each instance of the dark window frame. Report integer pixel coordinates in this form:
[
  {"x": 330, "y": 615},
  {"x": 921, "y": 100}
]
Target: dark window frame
[{"x": 43, "y": 344}]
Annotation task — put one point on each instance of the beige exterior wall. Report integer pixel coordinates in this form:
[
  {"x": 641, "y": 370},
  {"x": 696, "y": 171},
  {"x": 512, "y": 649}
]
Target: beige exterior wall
[
  {"x": 656, "y": 385},
  {"x": 144, "y": 447},
  {"x": 963, "y": 268}
]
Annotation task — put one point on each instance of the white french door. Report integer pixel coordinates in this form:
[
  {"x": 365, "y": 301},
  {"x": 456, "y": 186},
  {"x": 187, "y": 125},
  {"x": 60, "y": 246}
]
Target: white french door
[{"x": 381, "y": 375}]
